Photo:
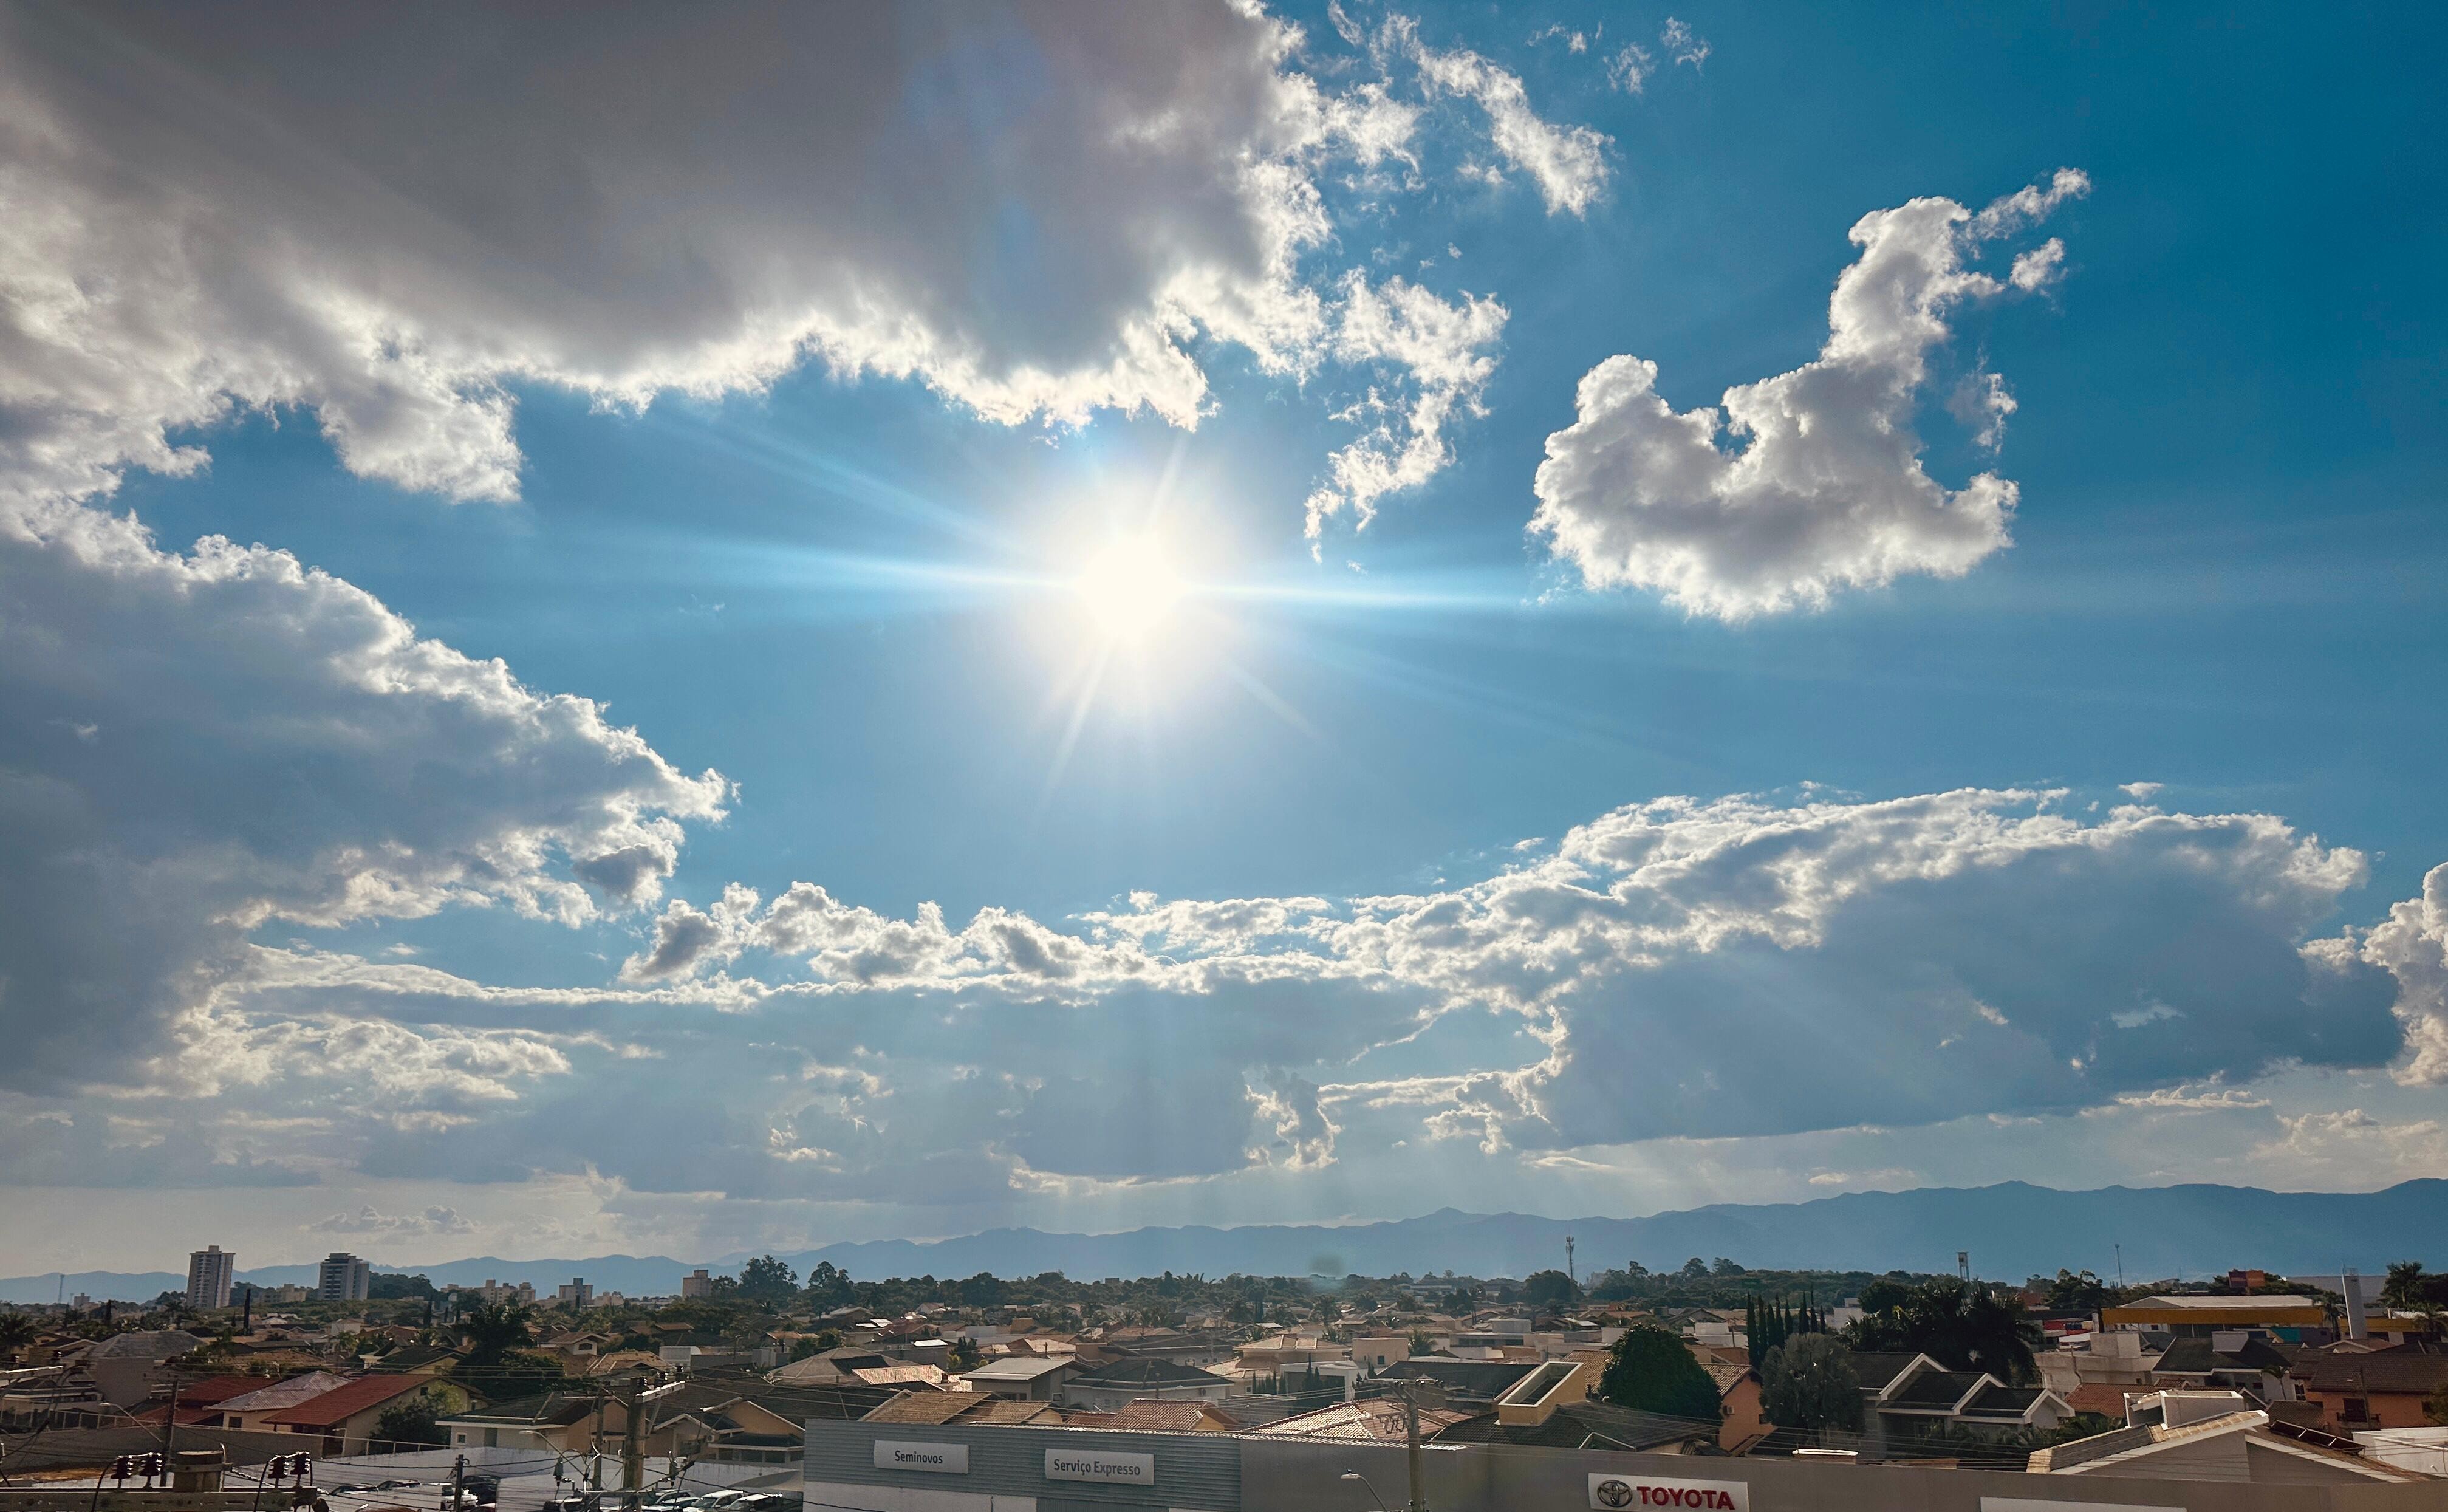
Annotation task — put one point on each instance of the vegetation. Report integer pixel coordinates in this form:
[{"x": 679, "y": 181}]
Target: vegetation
[
  {"x": 1962, "y": 1326},
  {"x": 412, "y": 1419},
  {"x": 1550, "y": 1289},
  {"x": 1652, "y": 1371},
  {"x": 1808, "y": 1382},
  {"x": 2410, "y": 1288},
  {"x": 1768, "y": 1324}
]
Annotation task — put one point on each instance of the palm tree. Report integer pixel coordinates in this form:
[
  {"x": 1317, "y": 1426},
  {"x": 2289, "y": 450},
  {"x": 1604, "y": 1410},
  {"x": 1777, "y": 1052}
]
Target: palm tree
[
  {"x": 494, "y": 1329},
  {"x": 16, "y": 1331}
]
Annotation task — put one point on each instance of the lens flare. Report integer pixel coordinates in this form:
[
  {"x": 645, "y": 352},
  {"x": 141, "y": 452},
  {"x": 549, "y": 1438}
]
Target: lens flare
[{"x": 1130, "y": 589}]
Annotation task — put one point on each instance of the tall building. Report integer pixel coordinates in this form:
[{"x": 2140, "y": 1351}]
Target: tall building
[
  {"x": 210, "y": 1270},
  {"x": 577, "y": 1296},
  {"x": 696, "y": 1284},
  {"x": 344, "y": 1279}
]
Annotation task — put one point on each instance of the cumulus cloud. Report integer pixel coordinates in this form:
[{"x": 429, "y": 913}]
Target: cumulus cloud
[
  {"x": 274, "y": 745},
  {"x": 395, "y": 224},
  {"x": 1830, "y": 492},
  {"x": 1771, "y": 967},
  {"x": 2412, "y": 945}
]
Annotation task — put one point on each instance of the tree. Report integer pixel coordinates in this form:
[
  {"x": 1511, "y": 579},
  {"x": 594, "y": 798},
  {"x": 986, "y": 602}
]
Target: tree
[
  {"x": 2081, "y": 1292},
  {"x": 1808, "y": 1382},
  {"x": 412, "y": 1419},
  {"x": 16, "y": 1331},
  {"x": 829, "y": 1286},
  {"x": 1722, "y": 1266},
  {"x": 494, "y": 1329},
  {"x": 964, "y": 1353},
  {"x": 1961, "y": 1326},
  {"x": 1550, "y": 1289},
  {"x": 1650, "y": 1371},
  {"x": 767, "y": 1279},
  {"x": 1422, "y": 1343},
  {"x": 1695, "y": 1269}
]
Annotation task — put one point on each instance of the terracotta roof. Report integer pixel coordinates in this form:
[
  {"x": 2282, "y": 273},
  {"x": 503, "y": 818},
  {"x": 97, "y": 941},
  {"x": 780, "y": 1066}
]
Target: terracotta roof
[
  {"x": 342, "y": 1402},
  {"x": 923, "y": 1407},
  {"x": 2108, "y": 1401},
  {"x": 287, "y": 1394},
  {"x": 1004, "y": 1410},
  {"x": 1145, "y": 1371},
  {"x": 1152, "y": 1415}
]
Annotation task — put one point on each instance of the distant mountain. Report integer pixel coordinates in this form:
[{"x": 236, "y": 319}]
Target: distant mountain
[{"x": 2012, "y": 1230}]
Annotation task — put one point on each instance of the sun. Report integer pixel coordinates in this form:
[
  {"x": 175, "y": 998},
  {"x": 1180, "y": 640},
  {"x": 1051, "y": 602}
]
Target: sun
[{"x": 1130, "y": 589}]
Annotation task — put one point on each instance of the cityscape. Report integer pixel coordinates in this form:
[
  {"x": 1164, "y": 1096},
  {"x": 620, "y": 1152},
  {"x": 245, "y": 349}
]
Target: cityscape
[{"x": 1223, "y": 756}]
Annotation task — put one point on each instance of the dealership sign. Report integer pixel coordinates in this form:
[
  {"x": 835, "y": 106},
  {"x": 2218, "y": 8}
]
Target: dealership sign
[
  {"x": 1114, "y": 1469},
  {"x": 942, "y": 1458},
  {"x": 1617, "y": 1492}
]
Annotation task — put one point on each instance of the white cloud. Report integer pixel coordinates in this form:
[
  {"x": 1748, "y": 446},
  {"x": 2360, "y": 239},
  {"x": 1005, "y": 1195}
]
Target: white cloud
[
  {"x": 1568, "y": 163},
  {"x": 1443, "y": 348},
  {"x": 277, "y": 745},
  {"x": 1630, "y": 68},
  {"x": 371, "y": 222},
  {"x": 2412, "y": 945},
  {"x": 1682, "y": 44},
  {"x": 1829, "y": 492}
]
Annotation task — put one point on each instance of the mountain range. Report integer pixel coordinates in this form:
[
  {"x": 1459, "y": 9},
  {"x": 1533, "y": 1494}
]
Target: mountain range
[{"x": 2011, "y": 1230}]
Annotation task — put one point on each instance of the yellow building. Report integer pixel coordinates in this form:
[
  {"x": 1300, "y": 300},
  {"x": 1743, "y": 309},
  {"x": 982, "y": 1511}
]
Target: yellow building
[{"x": 2198, "y": 1317}]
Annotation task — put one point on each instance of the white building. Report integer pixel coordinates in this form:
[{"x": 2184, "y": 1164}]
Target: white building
[
  {"x": 210, "y": 1270},
  {"x": 344, "y": 1279}
]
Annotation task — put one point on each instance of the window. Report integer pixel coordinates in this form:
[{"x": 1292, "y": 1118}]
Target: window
[{"x": 2354, "y": 1409}]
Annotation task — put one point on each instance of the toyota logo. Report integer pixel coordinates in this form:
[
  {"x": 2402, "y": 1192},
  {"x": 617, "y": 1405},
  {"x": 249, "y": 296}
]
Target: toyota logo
[{"x": 1614, "y": 1493}]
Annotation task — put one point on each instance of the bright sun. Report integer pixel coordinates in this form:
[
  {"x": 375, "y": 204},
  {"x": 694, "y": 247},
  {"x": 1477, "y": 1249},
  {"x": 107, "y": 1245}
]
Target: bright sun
[{"x": 1129, "y": 589}]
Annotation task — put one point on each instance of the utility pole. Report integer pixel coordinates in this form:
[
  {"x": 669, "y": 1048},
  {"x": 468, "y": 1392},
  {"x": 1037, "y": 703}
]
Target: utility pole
[
  {"x": 633, "y": 1459},
  {"x": 1415, "y": 1392},
  {"x": 458, "y": 1479},
  {"x": 170, "y": 1423},
  {"x": 2120, "y": 1268},
  {"x": 1569, "y": 1275}
]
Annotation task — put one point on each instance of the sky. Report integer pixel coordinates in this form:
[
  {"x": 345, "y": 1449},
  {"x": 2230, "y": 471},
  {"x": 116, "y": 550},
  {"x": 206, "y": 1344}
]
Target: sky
[{"x": 740, "y": 627}]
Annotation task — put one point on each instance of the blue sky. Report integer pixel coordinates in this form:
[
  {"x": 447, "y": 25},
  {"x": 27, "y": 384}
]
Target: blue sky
[{"x": 787, "y": 447}]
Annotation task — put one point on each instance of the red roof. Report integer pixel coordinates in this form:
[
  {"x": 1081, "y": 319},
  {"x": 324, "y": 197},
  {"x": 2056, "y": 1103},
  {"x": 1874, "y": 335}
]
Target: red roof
[{"x": 342, "y": 1402}]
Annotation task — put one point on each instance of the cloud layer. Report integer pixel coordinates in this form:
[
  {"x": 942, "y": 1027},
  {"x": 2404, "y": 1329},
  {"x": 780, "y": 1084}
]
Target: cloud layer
[
  {"x": 1740, "y": 968},
  {"x": 395, "y": 223},
  {"x": 1829, "y": 492}
]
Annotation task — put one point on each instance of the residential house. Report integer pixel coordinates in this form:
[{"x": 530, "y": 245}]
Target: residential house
[
  {"x": 1908, "y": 1396},
  {"x": 1376, "y": 1352},
  {"x": 1741, "y": 1422},
  {"x": 200, "y": 1402},
  {"x": 2233, "y": 1446},
  {"x": 2228, "y": 1361},
  {"x": 928, "y": 1408},
  {"x": 343, "y": 1418},
  {"x": 247, "y": 1413},
  {"x": 1153, "y": 1415},
  {"x": 559, "y": 1421},
  {"x": 131, "y": 1368},
  {"x": 1029, "y": 1377},
  {"x": 2385, "y": 1389},
  {"x": 1463, "y": 1382},
  {"x": 1549, "y": 1408},
  {"x": 1110, "y": 1387}
]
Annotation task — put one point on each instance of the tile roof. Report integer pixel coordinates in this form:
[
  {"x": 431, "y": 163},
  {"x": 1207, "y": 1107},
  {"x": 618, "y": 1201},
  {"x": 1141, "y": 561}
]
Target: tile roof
[
  {"x": 1475, "y": 1379},
  {"x": 1141, "y": 1369},
  {"x": 286, "y": 1393},
  {"x": 1152, "y": 1415},
  {"x": 1022, "y": 1367},
  {"x": 346, "y": 1401},
  {"x": 1877, "y": 1368},
  {"x": 923, "y": 1407},
  {"x": 1934, "y": 1390},
  {"x": 1374, "y": 1418},
  {"x": 2384, "y": 1370}
]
